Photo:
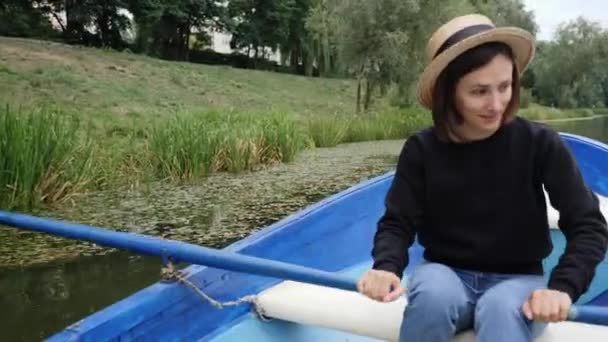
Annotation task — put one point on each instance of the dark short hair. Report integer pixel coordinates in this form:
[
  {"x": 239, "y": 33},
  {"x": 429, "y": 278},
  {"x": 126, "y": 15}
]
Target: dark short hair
[{"x": 443, "y": 105}]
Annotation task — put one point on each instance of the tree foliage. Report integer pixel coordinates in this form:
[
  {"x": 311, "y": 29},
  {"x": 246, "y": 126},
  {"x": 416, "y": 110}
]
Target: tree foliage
[
  {"x": 571, "y": 70},
  {"x": 380, "y": 43},
  {"x": 24, "y": 19}
]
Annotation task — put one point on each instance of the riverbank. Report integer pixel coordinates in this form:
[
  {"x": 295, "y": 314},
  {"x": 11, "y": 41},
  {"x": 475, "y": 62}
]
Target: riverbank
[
  {"x": 584, "y": 118},
  {"x": 222, "y": 208},
  {"x": 542, "y": 113},
  {"x": 83, "y": 120}
]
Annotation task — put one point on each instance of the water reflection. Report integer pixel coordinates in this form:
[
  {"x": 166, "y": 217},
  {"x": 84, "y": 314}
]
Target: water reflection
[
  {"x": 37, "y": 301},
  {"x": 593, "y": 128}
]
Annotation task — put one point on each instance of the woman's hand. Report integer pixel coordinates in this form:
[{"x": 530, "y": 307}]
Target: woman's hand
[
  {"x": 547, "y": 305},
  {"x": 380, "y": 285}
]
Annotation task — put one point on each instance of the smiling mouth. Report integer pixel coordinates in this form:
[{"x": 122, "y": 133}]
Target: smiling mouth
[{"x": 489, "y": 116}]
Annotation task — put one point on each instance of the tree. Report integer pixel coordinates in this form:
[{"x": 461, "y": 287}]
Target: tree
[
  {"x": 90, "y": 22},
  {"x": 570, "y": 71},
  {"x": 321, "y": 27},
  {"x": 381, "y": 43},
  {"x": 24, "y": 19},
  {"x": 164, "y": 27},
  {"x": 432, "y": 14},
  {"x": 370, "y": 33},
  {"x": 507, "y": 13},
  {"x": 260, "y": 24},
  {"x": 299, "y": 46}
]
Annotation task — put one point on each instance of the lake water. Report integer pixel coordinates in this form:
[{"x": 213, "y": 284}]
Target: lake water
[{"x": 40, "y": 300}]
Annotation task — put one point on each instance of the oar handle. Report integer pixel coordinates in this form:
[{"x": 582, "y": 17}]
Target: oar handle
[
  {"x": 199, "y": 255},
  {"x": 589, "y": 314}
]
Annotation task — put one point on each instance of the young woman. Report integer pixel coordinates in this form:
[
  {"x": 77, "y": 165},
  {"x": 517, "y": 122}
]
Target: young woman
[{"x": 470, "y": 189}]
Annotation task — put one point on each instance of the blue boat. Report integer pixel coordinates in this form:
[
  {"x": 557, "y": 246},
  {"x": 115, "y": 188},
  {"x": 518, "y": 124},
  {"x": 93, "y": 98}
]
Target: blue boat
[{"x": 295, "y": 280}]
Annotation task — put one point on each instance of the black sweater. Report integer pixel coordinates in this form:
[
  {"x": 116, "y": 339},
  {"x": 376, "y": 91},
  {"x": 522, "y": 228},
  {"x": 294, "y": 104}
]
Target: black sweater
[{"x": 481, "y": 206}]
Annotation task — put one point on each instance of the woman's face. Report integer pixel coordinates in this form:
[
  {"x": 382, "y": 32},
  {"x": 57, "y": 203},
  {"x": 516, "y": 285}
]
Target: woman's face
[{"x": 482, "y": 96}]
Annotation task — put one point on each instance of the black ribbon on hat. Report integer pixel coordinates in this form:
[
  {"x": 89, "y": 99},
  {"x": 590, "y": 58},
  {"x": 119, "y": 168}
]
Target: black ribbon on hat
[{"x": 463, "y": 34}]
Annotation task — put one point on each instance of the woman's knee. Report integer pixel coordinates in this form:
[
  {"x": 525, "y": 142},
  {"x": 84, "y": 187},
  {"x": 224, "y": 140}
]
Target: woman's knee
[
  {"x": 499, "y": 306},
  {"x": 435, "y": 287},
  {"x": 501, "y": 309},
  {"x": 506, "y": 299}
]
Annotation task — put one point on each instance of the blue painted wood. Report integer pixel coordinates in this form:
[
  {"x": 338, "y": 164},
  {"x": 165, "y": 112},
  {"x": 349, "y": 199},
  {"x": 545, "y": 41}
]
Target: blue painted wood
[
  {"x": 173, "y": 312},
  {"x": 601, "y": 299},
  {"x": 589, "y": 314},
  {"x": 600, "y": 281},
  {"x": 592, "y": 159}
]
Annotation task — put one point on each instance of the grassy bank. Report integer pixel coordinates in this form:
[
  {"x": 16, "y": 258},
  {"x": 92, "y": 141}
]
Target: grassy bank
[
  {"x": 121, "y": 87},
  {"x": 79, "y": 119},
  {"x": 542, "y": 113},
  {"x": 142, "y": 119},
  {"x": 47, "y": 155}
]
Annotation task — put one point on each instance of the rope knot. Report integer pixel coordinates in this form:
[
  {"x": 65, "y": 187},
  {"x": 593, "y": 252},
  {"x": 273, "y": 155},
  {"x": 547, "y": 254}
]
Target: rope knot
[{"x": 170, "y": 274}]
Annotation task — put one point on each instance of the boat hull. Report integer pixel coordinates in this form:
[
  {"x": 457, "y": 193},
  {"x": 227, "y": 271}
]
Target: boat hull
[{"x": 333, "y": 235}]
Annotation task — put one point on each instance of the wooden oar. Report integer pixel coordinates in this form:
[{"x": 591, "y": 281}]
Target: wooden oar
[{"x": 199, "y": 255}]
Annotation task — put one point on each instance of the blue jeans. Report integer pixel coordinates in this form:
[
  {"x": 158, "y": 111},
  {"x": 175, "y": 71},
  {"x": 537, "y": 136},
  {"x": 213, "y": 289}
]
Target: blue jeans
[{"x": 443, "y": 301}]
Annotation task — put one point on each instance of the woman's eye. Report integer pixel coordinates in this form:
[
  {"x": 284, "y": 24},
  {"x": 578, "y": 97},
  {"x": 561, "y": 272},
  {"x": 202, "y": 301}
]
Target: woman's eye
[{"x": 478, "y": 92}]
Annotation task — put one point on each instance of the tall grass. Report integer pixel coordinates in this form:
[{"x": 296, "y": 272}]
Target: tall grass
[
  {"x": 192, "y": 146},
  {"x": 327, "y": 131},
  {"x": 394, "y": 124},
  {"x": 42, "y": 157},
  {"x": 283, "y": 137},
  {"x": 538, "y": 112},
  {"x": 183, "y": 148}
]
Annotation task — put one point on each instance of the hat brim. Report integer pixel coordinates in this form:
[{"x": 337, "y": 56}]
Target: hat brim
[{"x": 520, "y": 41}]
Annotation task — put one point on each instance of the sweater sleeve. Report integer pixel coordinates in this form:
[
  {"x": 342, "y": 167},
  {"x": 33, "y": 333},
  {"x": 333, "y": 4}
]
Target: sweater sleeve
[
  {"x": 396, "y": 229},
  {"x": 580, "y": 218}
]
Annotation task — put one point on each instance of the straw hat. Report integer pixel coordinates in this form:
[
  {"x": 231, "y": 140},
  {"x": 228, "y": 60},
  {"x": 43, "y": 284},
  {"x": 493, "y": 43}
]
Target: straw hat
[{"x": 463, "y": 33}]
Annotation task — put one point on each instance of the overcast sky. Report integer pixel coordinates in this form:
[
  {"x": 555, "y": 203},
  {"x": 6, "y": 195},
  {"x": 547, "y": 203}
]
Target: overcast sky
[{"x": 550, "y": 13}]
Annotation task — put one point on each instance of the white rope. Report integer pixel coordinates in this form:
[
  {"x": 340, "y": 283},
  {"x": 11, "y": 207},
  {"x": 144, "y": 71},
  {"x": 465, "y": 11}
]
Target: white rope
[{"x": 168, "y": 272}]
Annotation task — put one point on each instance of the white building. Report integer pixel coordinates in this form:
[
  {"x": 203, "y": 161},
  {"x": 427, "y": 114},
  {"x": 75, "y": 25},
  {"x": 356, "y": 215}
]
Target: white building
[{"x": 220, "y": 42}]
